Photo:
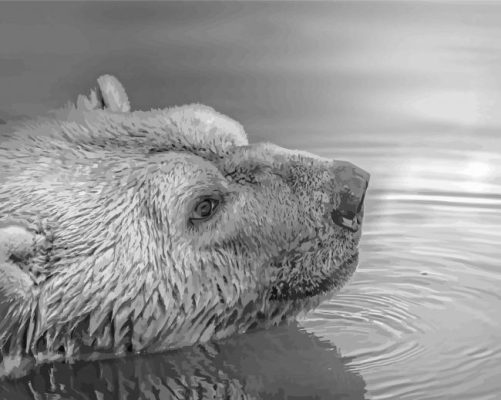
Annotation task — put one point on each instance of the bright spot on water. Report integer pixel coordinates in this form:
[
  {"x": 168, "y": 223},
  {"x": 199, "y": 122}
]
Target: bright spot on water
[
  {"x": 477, "y": 169},
  {"x": 451, "y": 106}
]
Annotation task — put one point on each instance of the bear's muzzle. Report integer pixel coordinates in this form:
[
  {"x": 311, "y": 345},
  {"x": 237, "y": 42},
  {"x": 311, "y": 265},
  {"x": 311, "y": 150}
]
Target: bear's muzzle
[{"x": 354, "y": 182}]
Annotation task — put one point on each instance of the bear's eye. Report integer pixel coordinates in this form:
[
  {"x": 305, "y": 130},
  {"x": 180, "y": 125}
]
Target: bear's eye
[{"x": 204, "y": 209}]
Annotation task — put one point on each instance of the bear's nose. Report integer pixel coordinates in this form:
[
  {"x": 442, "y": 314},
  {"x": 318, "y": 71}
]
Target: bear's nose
[{"x": 351, "y": 183}]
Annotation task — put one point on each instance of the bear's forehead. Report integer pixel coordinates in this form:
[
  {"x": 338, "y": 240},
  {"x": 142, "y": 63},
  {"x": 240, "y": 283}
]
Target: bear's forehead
[{"x": 195, "y": 128}]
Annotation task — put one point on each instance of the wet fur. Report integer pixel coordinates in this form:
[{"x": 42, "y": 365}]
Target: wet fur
[{"x": 112, "y": 264}]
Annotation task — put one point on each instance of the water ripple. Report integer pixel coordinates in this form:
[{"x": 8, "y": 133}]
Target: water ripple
[{"x": 427, "y": 288}]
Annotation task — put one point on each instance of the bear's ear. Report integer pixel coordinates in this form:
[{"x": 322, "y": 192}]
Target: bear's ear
[
  {"x": 109, "y": 95},
  {"x": 17, "y": 246},
  {"x": 18, "y": 291},
  {"x": 207, "y": 122}
]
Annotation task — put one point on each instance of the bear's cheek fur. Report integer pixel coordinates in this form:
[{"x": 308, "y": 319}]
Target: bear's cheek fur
[
  {"x": 226, "y": 280},
  {"x": 124, "y": 268},
  {"x": 179, "y": 288}
]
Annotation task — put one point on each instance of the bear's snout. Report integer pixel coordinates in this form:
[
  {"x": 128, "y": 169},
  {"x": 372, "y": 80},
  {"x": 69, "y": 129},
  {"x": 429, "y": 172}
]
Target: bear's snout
[{"x": 352, "y": 182}]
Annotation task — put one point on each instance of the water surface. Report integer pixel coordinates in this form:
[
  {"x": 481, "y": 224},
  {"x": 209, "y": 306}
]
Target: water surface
[{"x": 410, "y": 92}]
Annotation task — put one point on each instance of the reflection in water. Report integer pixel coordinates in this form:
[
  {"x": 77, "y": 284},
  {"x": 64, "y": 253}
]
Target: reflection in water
[{"x": 277, "y": 364}]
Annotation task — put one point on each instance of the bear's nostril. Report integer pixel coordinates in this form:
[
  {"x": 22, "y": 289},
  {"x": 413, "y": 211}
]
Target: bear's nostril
[
  {"x": 349, "y": 211},
  {"x": 346, "y": 219},
  {"x": 347, "y": 214}
]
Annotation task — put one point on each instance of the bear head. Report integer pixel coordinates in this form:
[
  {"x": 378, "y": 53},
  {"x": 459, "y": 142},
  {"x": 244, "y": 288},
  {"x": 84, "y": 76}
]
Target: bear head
[{"x": 139, "y": 231}]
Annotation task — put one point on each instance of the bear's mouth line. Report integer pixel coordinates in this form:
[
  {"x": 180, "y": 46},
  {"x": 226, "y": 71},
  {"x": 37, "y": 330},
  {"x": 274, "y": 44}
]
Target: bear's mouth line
[{"x": 283, "y": 290}]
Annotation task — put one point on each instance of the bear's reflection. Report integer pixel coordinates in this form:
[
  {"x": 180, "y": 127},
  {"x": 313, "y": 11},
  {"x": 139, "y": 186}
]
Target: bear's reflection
[{"x": 282, "y": 363}]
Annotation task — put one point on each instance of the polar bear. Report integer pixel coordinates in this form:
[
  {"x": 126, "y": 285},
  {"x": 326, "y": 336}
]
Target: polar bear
[{"x": 141, "y": 231}]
